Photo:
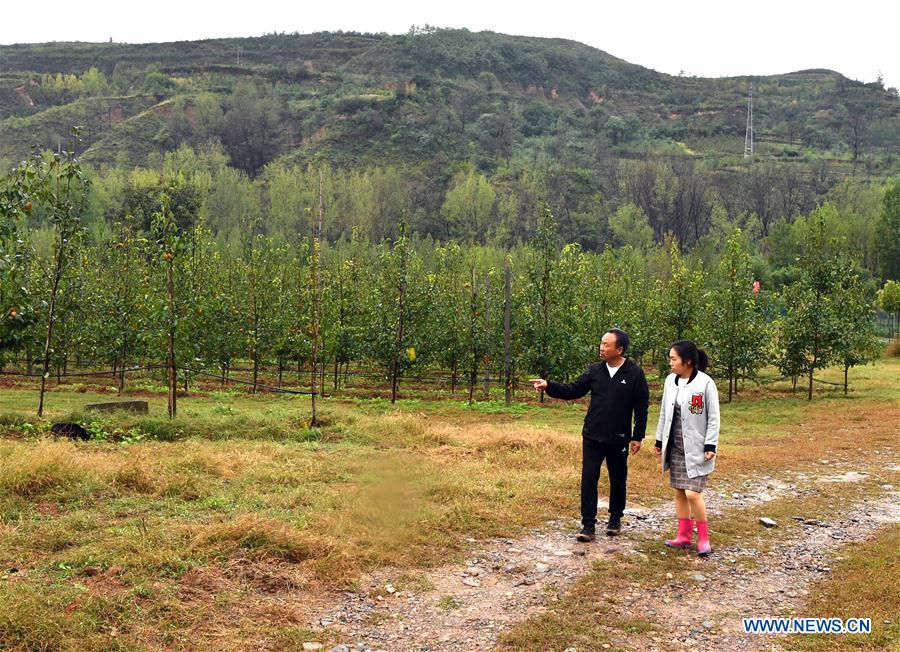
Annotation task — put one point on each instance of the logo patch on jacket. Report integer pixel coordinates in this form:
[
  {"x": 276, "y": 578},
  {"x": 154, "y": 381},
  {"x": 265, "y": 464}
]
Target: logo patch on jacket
[{"x": 696, "y": 404}]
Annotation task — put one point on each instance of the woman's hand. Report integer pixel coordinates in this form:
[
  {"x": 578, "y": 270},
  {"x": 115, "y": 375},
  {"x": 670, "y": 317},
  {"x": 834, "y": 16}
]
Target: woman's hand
[
  {"x": 658, "y": 450},
  {"x": 709, "y": 455},
  {"x": 539, "y": 384}
]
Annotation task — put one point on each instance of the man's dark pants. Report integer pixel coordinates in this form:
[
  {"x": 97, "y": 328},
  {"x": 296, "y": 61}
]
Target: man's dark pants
[{"x": 592, "y": 455}]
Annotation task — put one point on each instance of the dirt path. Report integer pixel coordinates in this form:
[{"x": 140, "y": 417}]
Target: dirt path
[
  {"x": 468, "y": 606},
  {"x": 706, "y": 613}
]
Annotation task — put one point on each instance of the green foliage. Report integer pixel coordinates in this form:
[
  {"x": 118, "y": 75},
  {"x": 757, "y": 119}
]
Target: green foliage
[
  {"x": 888, "y": 233},
  {"x": 18, "y": 193},
  {"x": 140, "y": 202},
  {"x": 811, "y": 326},
  {"x": 241, "y": 272},
  {"x": 62, "y": 188},
  {"x": 156, "y": 83},
  {"x": 447, "y": 344},
  {"x": 736, "y": 322},
  {"x": 250, "y": 126},
  {"x": 889, "y": 296},
  {"x": 468, "y": 207},
  {"x": 680, "y": 301},
  {"x": 430, "y": 103},
  {"x": 857, "y": 343},
  {"x": 889, "y": 301},
  {"x": 630, "y": 227},
  {"x": 541, "y": 300}
]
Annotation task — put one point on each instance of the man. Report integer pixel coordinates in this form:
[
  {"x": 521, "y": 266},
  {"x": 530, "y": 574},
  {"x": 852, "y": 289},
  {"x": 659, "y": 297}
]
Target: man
[{"x": 619, "y": 391}]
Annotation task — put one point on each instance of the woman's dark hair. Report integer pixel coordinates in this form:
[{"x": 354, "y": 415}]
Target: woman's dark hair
[{"x": 689, "y": 352}]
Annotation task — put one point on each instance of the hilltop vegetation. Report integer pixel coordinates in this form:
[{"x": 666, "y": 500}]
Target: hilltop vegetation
[{"x": 507, "y": 122}]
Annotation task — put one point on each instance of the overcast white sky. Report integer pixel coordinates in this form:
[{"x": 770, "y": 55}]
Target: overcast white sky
[{"x": 705, "y": 38}]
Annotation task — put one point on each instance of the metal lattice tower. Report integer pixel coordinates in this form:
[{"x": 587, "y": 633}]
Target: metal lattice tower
[{"x": 748, "y": 137}]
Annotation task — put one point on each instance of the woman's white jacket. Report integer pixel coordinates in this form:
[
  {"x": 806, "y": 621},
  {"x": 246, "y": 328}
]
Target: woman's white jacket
[{"x": 699, "y": 402}]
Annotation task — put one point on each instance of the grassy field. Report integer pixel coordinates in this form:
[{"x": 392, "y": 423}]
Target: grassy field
[
  {"x": 864, "y": 583},
  {"x": 221, "y": 528}
]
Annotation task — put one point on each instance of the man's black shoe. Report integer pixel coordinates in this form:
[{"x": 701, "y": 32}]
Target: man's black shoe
[
  {"x": 614, "y": 526},
  {"x": 586, "y": 534}
]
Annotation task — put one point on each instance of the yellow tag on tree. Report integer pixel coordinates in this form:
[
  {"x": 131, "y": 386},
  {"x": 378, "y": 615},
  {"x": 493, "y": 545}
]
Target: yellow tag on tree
[{"x": 411, "y": 352}]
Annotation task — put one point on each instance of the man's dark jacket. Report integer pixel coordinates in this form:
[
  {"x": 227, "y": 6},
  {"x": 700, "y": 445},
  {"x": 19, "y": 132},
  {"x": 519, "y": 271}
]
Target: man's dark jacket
[{"x": 613, "y": 400}]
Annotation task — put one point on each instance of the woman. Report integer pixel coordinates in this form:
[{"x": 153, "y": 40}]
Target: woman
[{"x": 686, "y": 439}]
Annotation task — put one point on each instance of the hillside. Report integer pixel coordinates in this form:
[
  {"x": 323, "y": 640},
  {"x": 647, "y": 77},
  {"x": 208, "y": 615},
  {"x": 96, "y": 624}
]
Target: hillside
[
  {"x": 462, "y": 135},
  {"x": 410, "y": 98}
]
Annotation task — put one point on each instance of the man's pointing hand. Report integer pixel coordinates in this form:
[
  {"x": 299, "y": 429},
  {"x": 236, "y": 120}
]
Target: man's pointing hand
[{"x": 539, "y": 384}]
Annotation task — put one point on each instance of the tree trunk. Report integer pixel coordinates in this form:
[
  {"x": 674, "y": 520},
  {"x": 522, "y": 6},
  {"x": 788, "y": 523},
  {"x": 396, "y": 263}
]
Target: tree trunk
[
  {"x": 316, "y": 243},
  {"x": 846, "y": 370},
  {"x": 815, "y": 349},
  {"x": 487, "y": 321},
  {"x": 122, "y": 372},
  {"x": 473, "y": 369},
  {"x": 254, "y": 307},
  {"x": 398, "y": 342},
  {"x": 60, "y": 258},
  {"x": 171, "y": 372},
  {"x": 506, "y": 337},
  {"x": 255, "y": 367},
  {"x": 812, "y": 368}
]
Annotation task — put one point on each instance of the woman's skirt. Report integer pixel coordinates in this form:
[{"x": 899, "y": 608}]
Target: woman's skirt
[{"x": 678, "y": 475}]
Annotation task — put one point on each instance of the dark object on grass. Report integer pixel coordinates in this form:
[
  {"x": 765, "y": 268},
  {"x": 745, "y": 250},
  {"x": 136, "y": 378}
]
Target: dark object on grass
[
  {"x": 139, "y": 407},
  {"x": 71, "y": 430}
]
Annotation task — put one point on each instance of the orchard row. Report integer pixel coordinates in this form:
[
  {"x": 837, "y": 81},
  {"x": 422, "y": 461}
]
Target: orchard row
[{"x": 165, "y": 294}]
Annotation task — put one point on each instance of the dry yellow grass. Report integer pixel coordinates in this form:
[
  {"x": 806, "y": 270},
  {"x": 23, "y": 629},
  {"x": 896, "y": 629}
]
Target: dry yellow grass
[
  {"x": 864, "y": 585},
  {"x": 207, "y": 537}
]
